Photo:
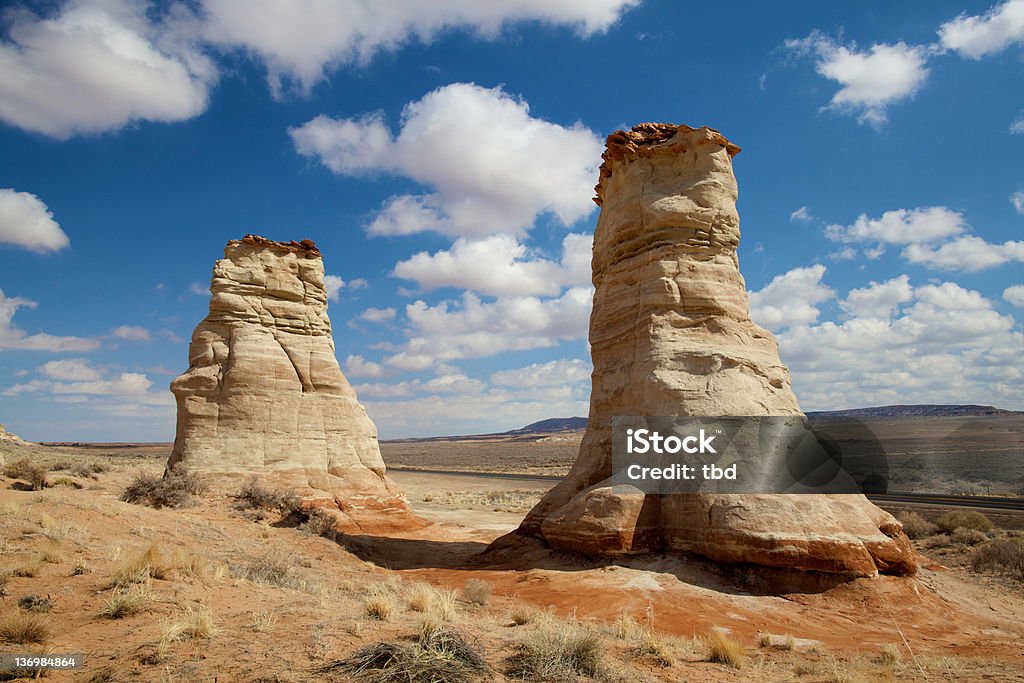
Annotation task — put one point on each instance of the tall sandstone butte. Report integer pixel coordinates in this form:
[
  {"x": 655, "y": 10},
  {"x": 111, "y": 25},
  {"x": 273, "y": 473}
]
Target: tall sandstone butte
[
  {"x": 264, "y": 396},
  {"x": 670, "y": 334}
]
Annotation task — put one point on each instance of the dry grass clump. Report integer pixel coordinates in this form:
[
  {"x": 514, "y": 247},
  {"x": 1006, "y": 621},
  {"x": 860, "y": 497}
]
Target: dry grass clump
[
  {"x": 521, "y": 614},
  {"x": 656, "y": 647},
  {"x": 81, "y": 567},
  {"x": 156, "y": 563},
  {"x": 724, "y": 650},
  {"x": 35, "y": 603},
  {"x": 964, "y": 519},
  {"x": 441, "y": 656},
  {"x": 320, "y": 523},
  {"x": 264, "y": 620},
  {"x": 66, "y": 482},
  {"x": 890, "y": 654},
  {"x": 125, "y": 603},
  {"x": 195, "y": 623},
  {"x": 26, "y": 470},
  {"x": 477, "y": 592},
  {"x": 52, "y": 552},
  {"x": 3, "y": 583},
  {"x": 558, "y": 651},
  {"x": 379, "y": 605},
  {"x": 28, "y": 568},
  {"x": 22, "y": 627},
  {"x": 272, "y": 568},
  {"x": 174, "y": 490},
  {"x": 439, "y": 603},
  {"x": 915, "y": 525},
  {"x": 88, "y": 470},
  {"x": 1001, "y": 556},
  {"x": 626, "y": 627}
]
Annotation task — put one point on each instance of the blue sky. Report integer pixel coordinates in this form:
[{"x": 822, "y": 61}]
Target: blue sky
[{"x": 442, "y": 156}]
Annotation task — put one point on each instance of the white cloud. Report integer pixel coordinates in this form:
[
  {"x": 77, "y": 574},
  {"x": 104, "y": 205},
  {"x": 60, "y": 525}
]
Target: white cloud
[
  {"x": 902, "y": 226},
  {"x": 977, "y": 36},
  {"x": 299, "y": 45},
  {"x": 12, "y": 337},
  {"x": 358, "y": 283},
  {"x": 552, "y": 373},
  {"x": 1017, "y": 199},
  {"x": 844, "y": 254},
  {"x": 967, "y": 254},
  {"x": 878, "y": 300},
  {"x": 97, "y": 65},
  {"x": 1014, "y": 295},
  {"x": 790, "y": 298},
  {"x": 1017, "y": 126},
  {"x": 870, "y": 80},
  {"x": 71, "y": 369},
  {"x": 945, "y": 344},
  {"x": 333, "y": 284},
  {"x": 131, "y": 333},
  {"x": 199, "y": 289},
  {"x": 357, "y": 366},
  {"x": 500, "y": 265},
  {"x": 515, "y": 168},
  {"x": 802, "y": 214},
  {"x": 378, "y": 315},
  {"x": 471, "y": 328},
  {"x": 25, "y": 221}
]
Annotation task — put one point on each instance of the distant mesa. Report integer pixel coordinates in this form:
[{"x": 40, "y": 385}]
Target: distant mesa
[
  {"x": 670, "y": 334},
  {"x": 264, "y": 396},
  {"x": 888, "y": 412}
]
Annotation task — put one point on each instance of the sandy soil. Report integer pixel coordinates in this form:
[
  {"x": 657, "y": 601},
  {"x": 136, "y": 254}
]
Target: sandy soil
[{"x": 946, "y": 624}]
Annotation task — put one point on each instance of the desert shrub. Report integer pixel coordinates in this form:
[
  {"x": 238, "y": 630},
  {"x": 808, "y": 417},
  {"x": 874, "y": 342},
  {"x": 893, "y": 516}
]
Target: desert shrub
[
  {"x": 28, "y": 568},
  {"x": 724, "y": 650},
  {"x": 961, "y": 487},
  {"x": 60, "y": 466},
  {"x": 477, "y": 592},
  {"x": 656, "y": 647},
  {"x": 125, "y": 603},
  {"x": 557, "y": 651},
  {"x": 22, "y": 627},
  {"x": 52, "y": 552},
  {"x": 253, "y": 496},
  {"x": 442, "y": 655},
  {"x": 967, "y": 519},
  {"x": 521, "y": 614},
  {"x": 1000, "y": 556},
  {"x": 626, "y": 627},
  {"x": 66, "y": 482},
  {"x": 320, "y": 523},
  {"x": 966, "y": 536},
  {"x": 174, "y": 490},
  {"x": 35, "y": 603},
  {"x": 3, "y": 584},
  {"x": 88, "y": 470},
  {"x": 82, "y": 566},
  {"x": 156, "y": 563},
  {"x": 915, "y": 525},
  {"x": 195, "y": 622},
  {"x": 26, "y": 470}
]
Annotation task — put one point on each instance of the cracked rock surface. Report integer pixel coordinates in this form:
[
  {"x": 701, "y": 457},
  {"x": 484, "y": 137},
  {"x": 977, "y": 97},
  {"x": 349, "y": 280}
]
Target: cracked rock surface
[
  {"x": 670, "y": 334},
  {"x": 264, "y": 396}
]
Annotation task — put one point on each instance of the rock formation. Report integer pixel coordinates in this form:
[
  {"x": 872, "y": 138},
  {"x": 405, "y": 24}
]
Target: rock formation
[
  {"x": 10, "y": 437},
  {"x": 264, "y": 395},
  {"x": 670, "y": 335}
]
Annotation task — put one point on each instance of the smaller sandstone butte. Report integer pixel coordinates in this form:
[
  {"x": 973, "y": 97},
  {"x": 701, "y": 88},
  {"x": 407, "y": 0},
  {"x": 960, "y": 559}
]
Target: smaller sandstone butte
[
  {"x": 10, "y": 437},
  {"x": 670, "y": 334},
  {"x": 264, "y": 395}
]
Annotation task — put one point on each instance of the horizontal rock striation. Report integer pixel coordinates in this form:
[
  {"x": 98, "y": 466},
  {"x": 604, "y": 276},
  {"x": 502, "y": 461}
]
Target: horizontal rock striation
[
  {"x": 670, "y": 334},
  {"x": 264, "y": 396}
]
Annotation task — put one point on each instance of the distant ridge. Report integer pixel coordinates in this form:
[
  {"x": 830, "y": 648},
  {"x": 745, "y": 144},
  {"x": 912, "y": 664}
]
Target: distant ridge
[
  {"x": 552, "y": 425},
  {"x": 923, "y": 410},
  {"x": 531, "y": 432}
]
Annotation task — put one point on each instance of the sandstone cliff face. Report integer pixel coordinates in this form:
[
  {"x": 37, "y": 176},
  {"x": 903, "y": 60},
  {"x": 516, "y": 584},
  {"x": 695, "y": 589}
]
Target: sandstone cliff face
[
  {"x": 670, "y": 335},
  {"x": 264, "y": 395}
]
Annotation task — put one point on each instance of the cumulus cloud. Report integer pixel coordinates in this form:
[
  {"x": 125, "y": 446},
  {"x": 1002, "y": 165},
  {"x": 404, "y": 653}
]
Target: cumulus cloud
[
  {"x": 528, "y": 166},
  {"x": 500, "y": 265},
  {"x": 870, "y": 80},
  {"x": 1014, "y": 295},
  {"x": 131, "y": 333},
  {"x": 790, "y": 298},
  {"x": 70, "y": 369},
  {"x": 97, "y": 65},
  {"x": 357, "y": 366},
  {"x": 472, "y": 328},
  {"x": 902, "y": 226},
  {"x": 378, "y": 315},
  {"x": 25, "y": 221},
  {"x": 1017, "y": 126},
  {"x": 12, "y": 337},
  {"x": 975, "y": 36},
  {"x": 298, "y": 47},
  {"x": 552, "y": 373},
  {"x": 333, "y": 284},
  {"x": 968, "y": 254},
  {"x": 943, "y": 344}
]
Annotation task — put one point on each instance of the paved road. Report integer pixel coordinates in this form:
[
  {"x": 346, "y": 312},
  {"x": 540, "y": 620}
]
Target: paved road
[{"x": 983, "y": 502}]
